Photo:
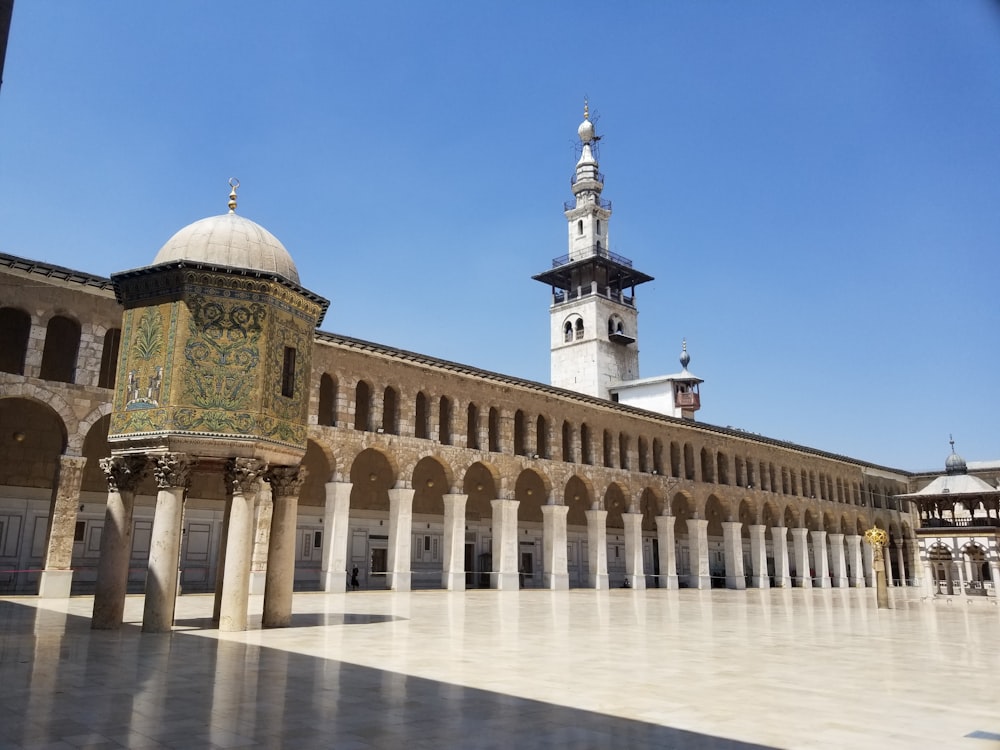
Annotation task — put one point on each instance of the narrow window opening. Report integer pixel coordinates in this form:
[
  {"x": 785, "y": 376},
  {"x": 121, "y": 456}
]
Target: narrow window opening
[
  {"x": 288, "y": 373},
  {"x": 579, "y": 227}
]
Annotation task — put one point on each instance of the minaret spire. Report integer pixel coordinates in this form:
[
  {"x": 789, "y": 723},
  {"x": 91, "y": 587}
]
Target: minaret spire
[{"x": 593, "y": 316}]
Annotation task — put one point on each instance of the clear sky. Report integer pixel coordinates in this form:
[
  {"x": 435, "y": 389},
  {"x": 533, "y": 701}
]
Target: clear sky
[{"x": 815, "y": 186}]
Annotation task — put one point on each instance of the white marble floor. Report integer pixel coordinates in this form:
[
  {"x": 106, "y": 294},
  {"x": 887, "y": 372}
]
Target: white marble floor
[{"x": 520, "y": 669}]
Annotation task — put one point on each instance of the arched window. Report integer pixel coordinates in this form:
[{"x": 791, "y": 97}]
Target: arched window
[
  {"x": 444, "y": 421},
  {"x": 390, "y": 411},
  {"x": 707, "y": 469},
  {"x": 567, "y": 442},
  {"x": 675, "y": 460},
  {"x": 542, "y": 438},
  {"x": 494, "y": 430},
  {"x": 568, "y": 332},
  {"x": 722, "y": 468},
  {"x": 607, "y": 450},
  {"x": 689, "y": 462},
  {"x": 598, "y": 226},
  {"x": 362, "y": 406},
  {"x": 421, "y": 419},
  {"x": 109, "y": 358},
  {"x": 520, "y": 448},
  {"x": 327, "y": 416},
  {"x": 62, "y": 344},
  {"x": 585, "y": 456},
  {"x": 623, "y": 448},
  {"x": 657, "y": 456},
  {"x": 579, "y": 226},
  {"x": 579, "y": 328},
  {"x": 15, "y": 328},
  {"x": 472, "y": 428}
]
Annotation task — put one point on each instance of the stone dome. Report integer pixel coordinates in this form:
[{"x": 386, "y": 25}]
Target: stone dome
[
  {"x": 955, "y": 464},
  {"x": 229, "y": 240}
]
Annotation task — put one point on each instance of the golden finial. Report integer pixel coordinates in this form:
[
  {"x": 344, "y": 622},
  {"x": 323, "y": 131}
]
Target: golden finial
[
  {"x": 233, "y": 183},
  {"x": 586, "y": 109}
]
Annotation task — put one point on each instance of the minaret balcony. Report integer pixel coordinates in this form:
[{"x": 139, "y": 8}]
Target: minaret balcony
[
  {"x": 594, "y": 251},
  {"x": 569, "y": 295},
  {"x": 601, "y": 202},
  {"x": 591, "y": 177},
  {"x": 687, "y": 400}
]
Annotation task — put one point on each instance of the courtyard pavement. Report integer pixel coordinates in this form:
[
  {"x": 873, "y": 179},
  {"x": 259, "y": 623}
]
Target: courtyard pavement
[{"x": 521, "y": 669}]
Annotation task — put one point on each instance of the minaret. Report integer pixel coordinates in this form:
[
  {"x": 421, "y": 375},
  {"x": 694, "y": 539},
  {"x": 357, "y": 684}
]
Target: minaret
[{"x": 594, "y": 321}]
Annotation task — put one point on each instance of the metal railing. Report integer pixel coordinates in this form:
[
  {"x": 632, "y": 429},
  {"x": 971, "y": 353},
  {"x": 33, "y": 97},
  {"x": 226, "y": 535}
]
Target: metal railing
[
  {"x": 570, "y": 205},
  {"x": 575, "y": 178},
  {"x": 594, "y": 251}
]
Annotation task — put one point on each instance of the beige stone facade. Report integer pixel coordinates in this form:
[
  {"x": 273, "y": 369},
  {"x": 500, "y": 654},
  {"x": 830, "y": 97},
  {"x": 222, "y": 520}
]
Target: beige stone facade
[{"x": 426, "y": 473}]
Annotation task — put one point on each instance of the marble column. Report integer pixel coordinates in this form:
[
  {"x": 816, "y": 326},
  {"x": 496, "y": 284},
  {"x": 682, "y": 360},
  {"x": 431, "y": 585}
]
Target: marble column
[
  {"x": 554, "y": 556},
  {"x": 56, "y": 580},
  {"x": 960, "y": 567},
  {"x": 453, "y": 565},
  {"x": 868, "y": 564},
  {"x": 839, "y": 563},
  {"x": 633, "y": 550},
  {"x": 779, "y": 546},
  {"x": 887, "y": 561},
  {"x": 668, "y": 552},
  {"x": 900, "y": 566},
  {"x": 800, "y": 546},
  {"x": 279, "y": 582},
  {"x": 854, "y": 556},
  {"x": 732, "y": 546},
  {"x": 261, "y": 538},
  {"x": 915, "y": 566},
  {"x": 123, "y": 474},
  {"x": 700, "y": 577},
  {"x": 172, "y": 471},
  {"x": 504, "y": 575},
  {"x": 759, "y": 577},
  {"x": 220, "y": 562},
  {"x": 821, "y": 563},
  {"x": 400, "y": 538},
  {"x": 336, "y": 522},
  {"x": 597, "y": 549},
  {"x": 243, "y": 475}
]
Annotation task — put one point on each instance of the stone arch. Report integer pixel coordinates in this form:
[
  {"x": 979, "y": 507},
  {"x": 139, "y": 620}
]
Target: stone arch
[
  {"x": 830, "y": 524},
  {"x": 811, "y": 520},
  {"x": 682, "y": 509},
  {"x": 34, "y": 437},
  {"x": 531, "y": 490},
  {"x": 747, "y": 517},
  {"x": 84, "y": 426},
  {"x": 770, "y": 514},
  {"x": 373, "y": 474},
  {"x": 791, "y": 516},
  {"x": 579, "y": 496},
  {"x": 53, "y": 400},
  {"x": 650, "y": 505},
  {"x": 431, "y": 480},
  {"x": 331, "y": 457},
  {"x": 716, "y": 511},
  {"x": 481, "y": 483},
  {"x": 316, "y": 462},
  {"x": 845, "y": 525},
  {"x": 616, "y": 502}
]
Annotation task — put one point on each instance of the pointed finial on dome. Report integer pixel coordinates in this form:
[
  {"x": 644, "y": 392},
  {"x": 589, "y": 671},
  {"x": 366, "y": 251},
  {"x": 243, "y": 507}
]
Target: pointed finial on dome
[
  {"x": 233, "y": 184},
  {"x": 586, "y": 129},
  {"x": 951, "y": 442},
  {"x": 685, "y": 357}
]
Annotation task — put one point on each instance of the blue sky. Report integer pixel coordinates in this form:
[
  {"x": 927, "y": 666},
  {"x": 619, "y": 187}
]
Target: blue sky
[{"x": 815, "y": 186}]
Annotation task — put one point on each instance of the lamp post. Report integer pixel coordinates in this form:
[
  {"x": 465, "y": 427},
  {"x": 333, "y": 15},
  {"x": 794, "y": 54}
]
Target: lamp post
[{"x": 878, "y": 538}]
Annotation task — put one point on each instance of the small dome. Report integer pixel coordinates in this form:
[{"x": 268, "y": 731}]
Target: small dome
[
  {"x": 955, "y": 464},
  {"x": 229, "y": 240},
  {"x": 586, "y": 131}
]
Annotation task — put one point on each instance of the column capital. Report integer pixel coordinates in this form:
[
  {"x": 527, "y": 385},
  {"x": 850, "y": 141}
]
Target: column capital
[
  {"x": 172, "y": 470},
  {"x": 286, "y": 481},
  {"x": 243, "y": 475},
  {"x": 72, "y": 462},
  {"x": 123, "y": 473}
]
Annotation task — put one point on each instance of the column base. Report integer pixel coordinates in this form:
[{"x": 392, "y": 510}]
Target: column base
[
  {"x": 840, "y": 583},
  {"x": 257, "y": 579},
  {"x": 700, "y": 582},
  {"x": 859, "y": 583},
  {"x": 55, "y": 584},
  {"x": 556, "y": 582},
  {"x": 736, "y": 582},
  {"x": 599, "y": 582},
  {"x": 505, "y": 581},
  {"x": 783, "y": 582},
  {"x": 760, "y": 582},
  {"x": 670, "y": 582},
  {"x": 453, "y": 581},
  {"x": 803, "y": 583},
  {"x": 821, "y": 583},
  {"x": 335, "y": 581},
  {"x": 398, "y": 581}
]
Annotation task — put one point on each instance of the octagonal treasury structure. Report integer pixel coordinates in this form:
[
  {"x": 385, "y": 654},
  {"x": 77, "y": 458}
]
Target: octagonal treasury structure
[{"x": 216, "y": 357}]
